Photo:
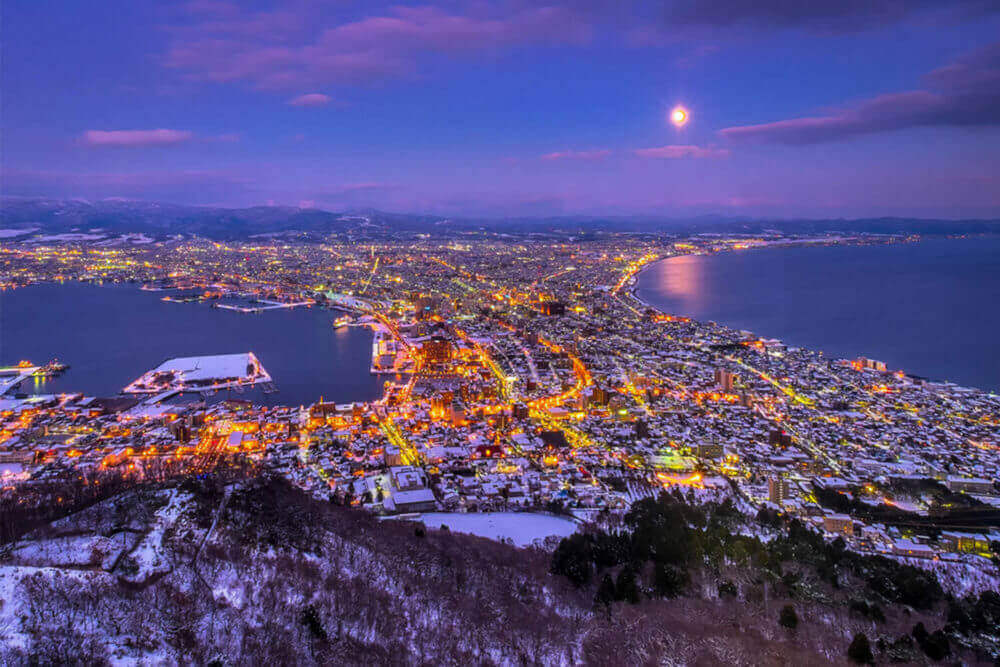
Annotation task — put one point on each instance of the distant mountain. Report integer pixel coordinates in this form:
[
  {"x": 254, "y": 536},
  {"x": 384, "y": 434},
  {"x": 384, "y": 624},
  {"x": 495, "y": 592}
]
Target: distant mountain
[
  {"x": 123, "y": 216},
  {"x": 117, "y": 216}
]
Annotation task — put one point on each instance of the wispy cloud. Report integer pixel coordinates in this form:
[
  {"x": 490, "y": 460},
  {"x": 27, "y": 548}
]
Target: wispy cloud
[
  {"x": 135, "y": 138},
  {"x": 283, "y": 49},
  {"x": 831, "y": 16},
  {"x": 965, "y": 93},
  {"x": 577, "y": 155},
  {"x": 678, "y": 151},
  {"x": 310, "y": 100}
]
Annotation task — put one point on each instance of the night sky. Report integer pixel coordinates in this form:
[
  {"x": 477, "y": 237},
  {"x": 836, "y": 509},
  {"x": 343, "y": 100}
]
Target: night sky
[{"x": 818, "y": 108}]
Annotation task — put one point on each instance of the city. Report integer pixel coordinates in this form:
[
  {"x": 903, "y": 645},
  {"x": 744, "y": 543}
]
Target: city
[
  {"x": 501, "y": 333},
  {"x": 527, "y": 375}
]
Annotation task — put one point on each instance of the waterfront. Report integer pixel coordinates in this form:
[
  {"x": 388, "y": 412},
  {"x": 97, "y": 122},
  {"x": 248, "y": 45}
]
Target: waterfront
[
  {"x": 927, "y": 307},
  {"x": 110, "y": 335},
  {"x": 540, "y": 386}
]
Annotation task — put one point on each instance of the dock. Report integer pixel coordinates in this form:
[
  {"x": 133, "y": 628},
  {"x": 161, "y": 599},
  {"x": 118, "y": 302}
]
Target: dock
[{"x": 12, "y": 376}]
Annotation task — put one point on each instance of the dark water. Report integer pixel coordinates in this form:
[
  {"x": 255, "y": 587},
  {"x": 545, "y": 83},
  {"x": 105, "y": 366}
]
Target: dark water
[
  {"x": 930, "y": 308},
  {"x": 111, "y": 335}
]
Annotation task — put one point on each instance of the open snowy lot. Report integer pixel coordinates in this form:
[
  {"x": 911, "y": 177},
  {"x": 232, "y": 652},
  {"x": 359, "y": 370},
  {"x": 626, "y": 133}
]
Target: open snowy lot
[{"x": 520, "y": 528}]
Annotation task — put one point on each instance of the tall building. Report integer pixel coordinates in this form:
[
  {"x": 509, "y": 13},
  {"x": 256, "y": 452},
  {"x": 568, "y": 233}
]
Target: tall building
[
  {"x": 778, "y": 490},
  {"x": 779, "y": 438},
  {"x": 725, "y": 378},
  {"x": 441, "y": 405},
  {"x": 869, "y": 364},
  {"x": 552, "y": 308}
]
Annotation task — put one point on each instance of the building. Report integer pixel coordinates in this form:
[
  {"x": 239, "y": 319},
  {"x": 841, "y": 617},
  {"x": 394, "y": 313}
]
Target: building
[
  {"x": 839, "y": 523},
  {"x": 437, "y": 351},
  {"x": 971, "y": 485},
  {"x": 778, "y": 438},
  {"x": 709, "y": 450},
  {"x": 424, "y": 307},
  {"x": 869, "y": 364},
  {"x": 778, "y": 490},
  {"x": 393, "y": 456},
  {"x": 598, "y": 395},
  {"x": 552, "y": 308},
  {"x": 409, "y": 490},
  {"x": 180, "y": 429},
  {"x": 725, "y": 379},
  {"x": 913, "y": 549},
  {"x": 441, "y": 405},
  {"x": 969, "y": 543}
]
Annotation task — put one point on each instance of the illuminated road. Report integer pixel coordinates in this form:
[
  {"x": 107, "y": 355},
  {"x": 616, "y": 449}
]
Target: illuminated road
[{"x": 407, "y": 452}]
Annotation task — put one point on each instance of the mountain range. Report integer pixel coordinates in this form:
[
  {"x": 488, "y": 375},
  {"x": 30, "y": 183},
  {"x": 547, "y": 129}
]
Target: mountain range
[{"x": 160, "y": 220}]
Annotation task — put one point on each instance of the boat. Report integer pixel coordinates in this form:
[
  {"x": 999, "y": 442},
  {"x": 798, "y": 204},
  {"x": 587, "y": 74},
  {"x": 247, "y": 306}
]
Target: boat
[
  {"x": 51, "y": 369},
  {"x": 342, "y": 321},
  {"x": 56, "y": 366}
]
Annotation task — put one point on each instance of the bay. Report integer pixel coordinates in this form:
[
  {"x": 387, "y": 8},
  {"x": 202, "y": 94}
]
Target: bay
[
  {"x": 110, "y": 335},
  {"x": 930, "y": 308}
]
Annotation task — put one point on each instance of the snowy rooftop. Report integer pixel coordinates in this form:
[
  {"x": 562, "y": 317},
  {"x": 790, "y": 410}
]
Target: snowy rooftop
[
  {"x": 219, "y": 371},
  {"x": 210, "y": 367}
]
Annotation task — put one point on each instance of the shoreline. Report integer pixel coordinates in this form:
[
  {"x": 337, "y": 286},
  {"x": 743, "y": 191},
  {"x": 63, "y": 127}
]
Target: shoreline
[
  {"x": 633, "y": 283},
  {"x": 292, "y": 387},
  {"x": 633, "y": 288}
]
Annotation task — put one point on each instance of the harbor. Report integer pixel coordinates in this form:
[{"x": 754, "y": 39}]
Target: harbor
[
  {"x": 11, "y": 377},
  {"x": 303, "y": 353},
  {"x": 206, "y": 374}
]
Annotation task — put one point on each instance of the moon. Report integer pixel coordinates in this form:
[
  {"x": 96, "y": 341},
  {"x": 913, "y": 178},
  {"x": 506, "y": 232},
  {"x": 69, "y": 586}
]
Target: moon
[{"x": 679, "y": 116}]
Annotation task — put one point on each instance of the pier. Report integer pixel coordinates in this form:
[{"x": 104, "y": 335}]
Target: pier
[
  {"x": 271, "y": 305},
  {"x": 12, "y": 376}
]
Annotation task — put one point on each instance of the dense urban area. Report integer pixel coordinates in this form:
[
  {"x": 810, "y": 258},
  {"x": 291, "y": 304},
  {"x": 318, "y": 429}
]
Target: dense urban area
[{"x": 521, "y": 375}]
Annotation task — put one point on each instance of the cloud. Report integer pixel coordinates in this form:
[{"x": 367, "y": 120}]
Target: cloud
[
  {"x": 577, "y": 155},
  {"x": 310, "y": 100},
  {"x": 963, "y": 94},
  {"x": 135, "y": 138},
  {"x": 821, "y": 15},
  {"x": 283, "y": 49},
  {"x": 675, "y": 152}
]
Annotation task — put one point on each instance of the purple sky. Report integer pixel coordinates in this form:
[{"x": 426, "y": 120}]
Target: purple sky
[{"x": 823, "y": 108}]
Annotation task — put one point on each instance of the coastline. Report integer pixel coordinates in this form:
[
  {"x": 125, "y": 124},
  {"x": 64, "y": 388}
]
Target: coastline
[
  {"x": 290, "y": 363},
  {"x": 633, "y": 282},
  {"x": 633, "y": 288}
]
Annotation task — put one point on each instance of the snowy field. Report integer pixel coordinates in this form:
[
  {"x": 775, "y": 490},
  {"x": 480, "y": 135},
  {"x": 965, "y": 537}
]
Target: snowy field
[{"x": 520, "y": 528}]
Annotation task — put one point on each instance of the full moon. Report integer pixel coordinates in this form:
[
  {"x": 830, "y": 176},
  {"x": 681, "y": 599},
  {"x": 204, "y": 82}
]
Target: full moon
[{"x": 679, "y": 116}]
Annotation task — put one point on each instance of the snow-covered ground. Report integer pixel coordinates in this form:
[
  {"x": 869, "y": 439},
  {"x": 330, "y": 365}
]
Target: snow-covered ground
[
  {"x": 967, "y": 575},
  {"x": 520, "y": 528}
]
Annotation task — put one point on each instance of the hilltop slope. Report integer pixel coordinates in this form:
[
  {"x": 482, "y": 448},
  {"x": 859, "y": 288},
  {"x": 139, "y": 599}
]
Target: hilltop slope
[{"x": 259, "y": 573}]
